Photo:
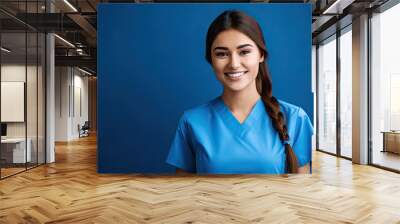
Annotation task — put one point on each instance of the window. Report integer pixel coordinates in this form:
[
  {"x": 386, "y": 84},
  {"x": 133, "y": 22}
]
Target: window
[
  {"x": 385, "y": 88},
  {"x": 346, "y": 92},
  {"x": 327, "y": 95}
]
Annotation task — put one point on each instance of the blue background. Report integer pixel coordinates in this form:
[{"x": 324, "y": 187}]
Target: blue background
[{"x": 152, "y": 67}]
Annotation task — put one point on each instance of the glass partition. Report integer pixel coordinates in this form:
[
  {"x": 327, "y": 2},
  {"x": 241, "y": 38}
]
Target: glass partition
[
  {"x": 385, "y": 88},
  {"x": 22, "y": 77},
  {"x": 13, "y": 91},
  {"x": 327, "y": 95},
  {"x": 31, "y": 100}
]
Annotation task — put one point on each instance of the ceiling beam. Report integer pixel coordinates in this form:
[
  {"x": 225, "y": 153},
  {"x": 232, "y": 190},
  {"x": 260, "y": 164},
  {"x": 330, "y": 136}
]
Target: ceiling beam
[
  {"x": 83, "y": 61},
  {"x": 86, "y": 26}
]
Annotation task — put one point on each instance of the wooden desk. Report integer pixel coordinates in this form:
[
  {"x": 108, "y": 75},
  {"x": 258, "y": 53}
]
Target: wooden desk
[
  {"x": 391, "y": 141},
  {"x": 13, "y": 150}
]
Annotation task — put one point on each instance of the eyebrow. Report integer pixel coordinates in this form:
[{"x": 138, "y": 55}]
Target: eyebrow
[{"x": 239, "y": 47}]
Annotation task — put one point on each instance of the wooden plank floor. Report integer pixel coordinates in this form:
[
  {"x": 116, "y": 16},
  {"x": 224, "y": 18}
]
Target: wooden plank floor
[
  {"x": 70, "y": 191},
  {"x": 10, "y": 171}
]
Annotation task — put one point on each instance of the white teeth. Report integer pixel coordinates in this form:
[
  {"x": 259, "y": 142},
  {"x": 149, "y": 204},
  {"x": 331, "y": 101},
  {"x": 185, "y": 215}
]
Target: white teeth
[{"x": 235, "y": 74}]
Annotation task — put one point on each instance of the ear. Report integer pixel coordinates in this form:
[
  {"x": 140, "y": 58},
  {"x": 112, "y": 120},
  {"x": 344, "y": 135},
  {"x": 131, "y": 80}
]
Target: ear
[{"x": 262, "y": 58}]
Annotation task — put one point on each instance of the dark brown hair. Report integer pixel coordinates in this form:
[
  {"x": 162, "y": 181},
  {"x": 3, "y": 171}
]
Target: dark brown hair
[{"x": 247, "y": 25}]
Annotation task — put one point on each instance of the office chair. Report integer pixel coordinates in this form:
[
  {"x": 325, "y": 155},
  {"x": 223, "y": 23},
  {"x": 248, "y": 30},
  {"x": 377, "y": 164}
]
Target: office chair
[{"x": 84, "y": 130}]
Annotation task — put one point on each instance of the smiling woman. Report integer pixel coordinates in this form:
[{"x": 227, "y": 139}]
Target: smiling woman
[
  {"x": 235, "y": 59},
  {"x": 246, "y": 129}
]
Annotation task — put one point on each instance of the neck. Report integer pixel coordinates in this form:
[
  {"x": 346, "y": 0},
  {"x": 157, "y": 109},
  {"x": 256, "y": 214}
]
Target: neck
[{"x": 240, "y": 101}]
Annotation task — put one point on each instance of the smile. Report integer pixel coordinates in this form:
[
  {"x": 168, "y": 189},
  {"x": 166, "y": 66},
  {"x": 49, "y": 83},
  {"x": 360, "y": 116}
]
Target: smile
[{"x": 235, "y": 74}]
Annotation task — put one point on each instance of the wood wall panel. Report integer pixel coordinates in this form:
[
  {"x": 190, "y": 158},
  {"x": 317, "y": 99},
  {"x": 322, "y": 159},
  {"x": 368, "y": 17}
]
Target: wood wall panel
[{"x": 93, "y": 103}]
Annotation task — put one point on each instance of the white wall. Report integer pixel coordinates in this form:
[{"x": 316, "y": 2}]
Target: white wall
[
  {"x": 61, "y": 103},
  {"x": 71, "y": 102},
  {"x": 16, "y": 72},
  {"x": 81, "y": 113},
  {"x": 33, "y": 127},
  {"x": 10, "y": 73}
]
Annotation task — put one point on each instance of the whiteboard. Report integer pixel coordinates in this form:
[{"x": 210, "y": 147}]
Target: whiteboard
[{"x": 12, "y": 101}]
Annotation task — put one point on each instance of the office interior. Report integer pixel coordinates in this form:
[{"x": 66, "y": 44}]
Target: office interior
[{"x": 48, "y": 79}]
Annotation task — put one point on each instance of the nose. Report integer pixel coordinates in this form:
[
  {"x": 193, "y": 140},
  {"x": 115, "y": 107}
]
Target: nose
[{"x": 234, "y": 61}]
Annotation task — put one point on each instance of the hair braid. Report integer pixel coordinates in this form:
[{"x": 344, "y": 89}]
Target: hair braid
[
  {"x": 278, "y": 121},
  {"x": 272, "y": 107}
]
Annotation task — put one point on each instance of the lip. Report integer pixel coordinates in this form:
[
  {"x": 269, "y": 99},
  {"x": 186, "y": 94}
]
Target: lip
[
  {"x": 228, "y": 73},
  {"x": 234, "y": 76}
]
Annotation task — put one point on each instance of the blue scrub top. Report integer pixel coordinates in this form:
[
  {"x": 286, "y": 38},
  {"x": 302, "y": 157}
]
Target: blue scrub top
[{"x": 210, "y": 140}]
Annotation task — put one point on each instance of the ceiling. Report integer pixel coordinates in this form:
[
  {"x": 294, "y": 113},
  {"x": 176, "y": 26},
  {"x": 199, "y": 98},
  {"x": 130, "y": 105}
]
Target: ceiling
[{"x": 76, "y": 22}]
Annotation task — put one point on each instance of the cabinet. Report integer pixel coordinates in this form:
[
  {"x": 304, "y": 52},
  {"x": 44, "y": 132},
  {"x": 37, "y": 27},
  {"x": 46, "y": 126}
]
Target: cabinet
[{"x": 391, "y": 141}]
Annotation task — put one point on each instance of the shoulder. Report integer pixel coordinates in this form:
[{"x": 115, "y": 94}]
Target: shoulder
[
  {"x": 199, "y": 113},
  {"x": 288, "y": 109},
  {"x": 292, "y": 111},
  {"x": 296, "y": 117}
]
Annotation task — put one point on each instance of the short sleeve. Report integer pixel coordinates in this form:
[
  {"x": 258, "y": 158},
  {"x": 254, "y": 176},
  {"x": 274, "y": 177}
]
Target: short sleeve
[
  {"x": 181, "y": 153},
  {"x": 302, "y": 143}
]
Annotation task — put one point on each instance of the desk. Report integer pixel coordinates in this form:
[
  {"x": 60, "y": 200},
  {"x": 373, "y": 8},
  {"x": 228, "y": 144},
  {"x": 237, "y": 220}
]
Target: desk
[
  {"x": 391, "y": 141},
  {"x": 15, "y": 148}
]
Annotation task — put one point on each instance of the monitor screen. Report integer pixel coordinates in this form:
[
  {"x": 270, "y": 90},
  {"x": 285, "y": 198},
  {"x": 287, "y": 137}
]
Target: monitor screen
[{"x": 3, "y": 129}]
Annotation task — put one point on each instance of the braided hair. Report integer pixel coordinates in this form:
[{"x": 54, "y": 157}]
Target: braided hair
[{"x": 245, "y": 24}]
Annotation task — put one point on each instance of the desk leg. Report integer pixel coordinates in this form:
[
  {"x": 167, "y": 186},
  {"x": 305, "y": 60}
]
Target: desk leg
[{"x": 384, "y": 142}]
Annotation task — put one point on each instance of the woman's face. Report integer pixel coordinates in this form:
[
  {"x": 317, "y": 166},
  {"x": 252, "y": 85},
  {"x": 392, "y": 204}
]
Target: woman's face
[{"x": 235, "y": 59}]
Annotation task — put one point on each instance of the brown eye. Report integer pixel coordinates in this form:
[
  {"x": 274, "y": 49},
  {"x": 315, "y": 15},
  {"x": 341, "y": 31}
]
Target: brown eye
[
  {"x": 244, "y": 52},
  {"x": 221, "y": 54}
]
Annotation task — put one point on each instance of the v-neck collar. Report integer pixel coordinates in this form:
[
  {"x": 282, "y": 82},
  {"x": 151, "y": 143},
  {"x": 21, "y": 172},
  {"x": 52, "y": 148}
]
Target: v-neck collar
[{"x": 230, "y": 120}]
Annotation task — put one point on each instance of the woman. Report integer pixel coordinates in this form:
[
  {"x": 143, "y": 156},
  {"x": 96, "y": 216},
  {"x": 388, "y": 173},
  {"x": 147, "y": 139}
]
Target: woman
[{"x": 246, "y": 129}]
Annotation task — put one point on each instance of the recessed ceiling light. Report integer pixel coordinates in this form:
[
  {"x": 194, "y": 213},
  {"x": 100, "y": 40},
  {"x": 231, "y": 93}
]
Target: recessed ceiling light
[
  {"x": 84, "y": 71},
  {"x": 65, "y": 41},
  {"x": 338, "y": 6},
  {"x": 70, "y": 5},
  {"x": 5, "y": 50}
]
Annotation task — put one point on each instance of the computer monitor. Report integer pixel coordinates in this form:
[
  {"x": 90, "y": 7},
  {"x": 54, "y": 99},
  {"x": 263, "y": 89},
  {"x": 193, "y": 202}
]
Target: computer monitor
[{"x": 3, "y": 129}]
